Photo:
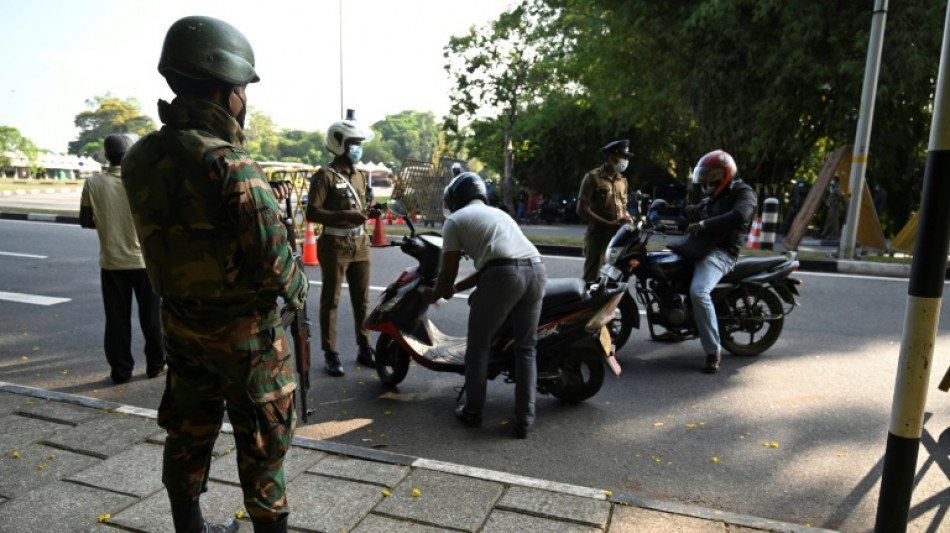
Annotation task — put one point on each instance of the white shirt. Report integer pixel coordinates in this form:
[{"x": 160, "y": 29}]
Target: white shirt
[{"x": 485, "y": 233}]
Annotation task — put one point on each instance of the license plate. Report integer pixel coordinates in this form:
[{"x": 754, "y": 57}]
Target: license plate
[{"x": 611, "y": 272}]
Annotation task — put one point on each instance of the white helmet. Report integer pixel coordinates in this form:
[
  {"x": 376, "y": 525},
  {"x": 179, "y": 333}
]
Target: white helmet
[
  {"x": 344, "y": 130},
  {"x": 456, "y": 169}
]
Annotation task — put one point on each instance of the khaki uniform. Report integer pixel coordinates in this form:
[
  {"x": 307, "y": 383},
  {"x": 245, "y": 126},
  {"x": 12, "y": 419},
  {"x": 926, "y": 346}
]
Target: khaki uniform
[
  {"x": 607, "y": 198},
  {"x": 342, "y": 249},
  {"x": 216, "y": 251}
]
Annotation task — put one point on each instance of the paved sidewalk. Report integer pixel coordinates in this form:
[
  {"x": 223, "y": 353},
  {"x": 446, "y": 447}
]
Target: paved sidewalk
[{"x": 70, "y": 463}]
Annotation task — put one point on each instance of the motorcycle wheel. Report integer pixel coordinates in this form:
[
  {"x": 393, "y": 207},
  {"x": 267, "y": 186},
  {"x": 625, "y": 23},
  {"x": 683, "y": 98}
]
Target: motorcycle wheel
[
  {"x": 620, "y": 327},
  {"x": 580, "y": 378},
  {"x": 743, "y": 325},
  {"x": 392, "y": 363}
]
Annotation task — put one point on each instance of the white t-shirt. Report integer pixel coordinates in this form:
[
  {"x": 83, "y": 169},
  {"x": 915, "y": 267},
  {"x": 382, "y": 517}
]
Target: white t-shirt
[{"x": 485, "y": 233}]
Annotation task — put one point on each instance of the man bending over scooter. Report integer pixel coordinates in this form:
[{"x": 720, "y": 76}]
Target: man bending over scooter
[{"x": 509, "y": 285}]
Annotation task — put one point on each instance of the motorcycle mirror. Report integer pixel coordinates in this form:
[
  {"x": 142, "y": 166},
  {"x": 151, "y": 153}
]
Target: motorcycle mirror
[{"x": 397, "y": 208}]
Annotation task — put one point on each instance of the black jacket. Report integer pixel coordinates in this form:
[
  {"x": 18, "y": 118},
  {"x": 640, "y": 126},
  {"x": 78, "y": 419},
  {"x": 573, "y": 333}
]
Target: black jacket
[{"x": 729, "y": 216}]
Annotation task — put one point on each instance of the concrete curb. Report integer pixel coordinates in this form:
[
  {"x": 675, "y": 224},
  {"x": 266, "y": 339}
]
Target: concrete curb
[{"x": 357, "y": 452}]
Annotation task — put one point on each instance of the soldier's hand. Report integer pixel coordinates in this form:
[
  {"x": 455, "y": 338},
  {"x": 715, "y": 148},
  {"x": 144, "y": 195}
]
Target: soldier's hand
[
  {"x": 695, "y": 228},
  {"x": 373, "y": 213},
  {"x": 281, "y": 189}
]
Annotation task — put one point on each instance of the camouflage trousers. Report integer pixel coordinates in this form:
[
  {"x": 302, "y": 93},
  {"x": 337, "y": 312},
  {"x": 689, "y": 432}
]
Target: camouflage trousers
[{"x": 249, "y": 373}]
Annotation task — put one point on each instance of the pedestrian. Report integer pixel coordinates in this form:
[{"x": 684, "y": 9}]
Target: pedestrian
[
  {"x": 104, "y": 207},
  {"x": 509, "y": 285},
  {"x": 217, "y": 252},
  {"x": 833, "y": 202},
  {"x": 796, "y": 200},
  {"x": 723, "y": 217},
  {"x": 522, "y": 214},
  {"x": 337, "y": 199},
  {"x": 602, "y": 203}
]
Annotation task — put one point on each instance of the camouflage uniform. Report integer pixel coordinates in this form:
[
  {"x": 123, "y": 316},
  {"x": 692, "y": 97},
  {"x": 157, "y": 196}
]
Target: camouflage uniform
[
  {"x": 341, "y": 256},
  {"x": 607, "y": 198},
  {"x": 216, "y": 251}
]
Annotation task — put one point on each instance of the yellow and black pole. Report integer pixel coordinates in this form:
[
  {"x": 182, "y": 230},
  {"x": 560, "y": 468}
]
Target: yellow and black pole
[{"x": 921, "y": 318}]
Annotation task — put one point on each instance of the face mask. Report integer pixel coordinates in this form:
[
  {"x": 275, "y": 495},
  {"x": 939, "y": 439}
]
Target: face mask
[
  {"x": 621, "y": 165},
  {"x": 355, "y": 153}
]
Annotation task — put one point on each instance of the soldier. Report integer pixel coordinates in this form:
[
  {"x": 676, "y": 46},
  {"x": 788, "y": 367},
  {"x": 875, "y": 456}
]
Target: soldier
[
  {"x": 217, "y": 253},
  {"x": 104, "y": 206},
  {"x": 602, "y": 202},
  {"x": 338, "y": 200}
]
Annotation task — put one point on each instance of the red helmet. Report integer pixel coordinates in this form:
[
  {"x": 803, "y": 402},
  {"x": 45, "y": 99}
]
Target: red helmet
[{"x": 714, "y": 172}]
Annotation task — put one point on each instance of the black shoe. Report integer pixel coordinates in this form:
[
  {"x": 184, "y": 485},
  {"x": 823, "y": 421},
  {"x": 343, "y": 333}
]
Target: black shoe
[
  {"x": 712, "y": 363},
  {"x": 468, "y": 419},
  {"x": 276, "y": 527},
  {"x": 155, "y": 372},
  {"x": 521, "y": 430},
  {"x": 333, "y": 365},
  {"x": 186, "y": 516},
  {"x": 366, "y": 357},
  {"x": 119, "y": 379}
]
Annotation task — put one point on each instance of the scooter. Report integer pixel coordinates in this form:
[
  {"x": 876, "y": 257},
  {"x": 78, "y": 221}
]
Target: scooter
[
  {"x": 751, "y": 301},
  {"x": 574, "y": 345}
]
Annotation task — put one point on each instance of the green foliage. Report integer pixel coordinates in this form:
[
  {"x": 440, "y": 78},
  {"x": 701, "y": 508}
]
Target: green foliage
[
  {"x": 107, "y": 114},
  {"x": 12, "y": 141},
  {"x": 407, "y": 135}
]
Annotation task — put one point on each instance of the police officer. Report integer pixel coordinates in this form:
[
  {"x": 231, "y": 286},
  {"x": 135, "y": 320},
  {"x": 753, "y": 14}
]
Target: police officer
[
  {"x": 216, "y": 251},
  {"x": 338, "y": 200},
  {"x": 602, "y": 202}
]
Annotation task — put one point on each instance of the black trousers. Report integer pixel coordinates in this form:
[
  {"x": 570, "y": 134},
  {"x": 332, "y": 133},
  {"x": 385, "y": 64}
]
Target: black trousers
[{"x": 118, "y": 286}]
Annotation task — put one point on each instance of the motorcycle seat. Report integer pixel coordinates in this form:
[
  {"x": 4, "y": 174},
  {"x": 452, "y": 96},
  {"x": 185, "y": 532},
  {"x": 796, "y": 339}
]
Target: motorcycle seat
[
  {"x": 560, "y": 291},
  {"x": 752, "y": 265}
]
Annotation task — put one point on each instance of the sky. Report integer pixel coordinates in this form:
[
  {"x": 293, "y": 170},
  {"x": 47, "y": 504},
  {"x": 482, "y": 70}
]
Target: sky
[{"x": 57, "y": 54}]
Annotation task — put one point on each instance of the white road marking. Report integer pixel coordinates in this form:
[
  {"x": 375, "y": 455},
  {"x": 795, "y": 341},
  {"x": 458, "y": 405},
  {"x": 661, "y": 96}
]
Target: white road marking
[
  {"x": 31, "y": 256},
  {"x": 31, "y": 298}
]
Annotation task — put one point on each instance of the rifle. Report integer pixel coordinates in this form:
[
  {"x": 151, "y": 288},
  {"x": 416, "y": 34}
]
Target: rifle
[{"x": 297, "y": 321}]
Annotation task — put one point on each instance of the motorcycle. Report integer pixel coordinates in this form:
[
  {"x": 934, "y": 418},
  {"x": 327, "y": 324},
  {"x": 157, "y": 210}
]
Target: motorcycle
[
  {"x": 751, "y": 301},
  {"x": 574, "y": 345}
]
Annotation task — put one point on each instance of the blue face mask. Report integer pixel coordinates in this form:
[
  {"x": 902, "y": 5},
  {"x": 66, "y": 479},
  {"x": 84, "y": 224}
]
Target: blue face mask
[{"x": 355, "y": 153}]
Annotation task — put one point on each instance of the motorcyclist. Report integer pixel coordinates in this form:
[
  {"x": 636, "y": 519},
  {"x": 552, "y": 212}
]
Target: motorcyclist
[
  {"x": 726, "y": 212},
  {"x": 509, "y": 283}
]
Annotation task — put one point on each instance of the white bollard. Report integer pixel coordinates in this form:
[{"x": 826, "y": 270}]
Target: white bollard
[{"x": 769, "y": 222}]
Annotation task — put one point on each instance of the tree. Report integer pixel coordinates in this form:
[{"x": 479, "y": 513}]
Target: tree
[
  {"x": 498, "y": 69},
  {"x": 12, "y": 142},
  {"x": 408, "y": 135},
  {"x": 107, "y": 114}
]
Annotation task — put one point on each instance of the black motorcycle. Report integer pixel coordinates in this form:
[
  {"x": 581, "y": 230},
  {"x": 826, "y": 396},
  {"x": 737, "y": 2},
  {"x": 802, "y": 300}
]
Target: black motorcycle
[
  {"x": 574, "y": 345},
  {"x": 751, "y": 301}
]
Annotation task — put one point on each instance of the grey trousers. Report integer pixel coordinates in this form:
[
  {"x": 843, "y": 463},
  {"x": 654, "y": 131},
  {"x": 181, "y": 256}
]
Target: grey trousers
[{"x": 505, "y": 294}]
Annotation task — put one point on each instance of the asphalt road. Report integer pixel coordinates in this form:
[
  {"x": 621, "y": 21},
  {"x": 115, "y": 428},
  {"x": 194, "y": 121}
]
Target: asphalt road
[{"x": 799, "y": 432}]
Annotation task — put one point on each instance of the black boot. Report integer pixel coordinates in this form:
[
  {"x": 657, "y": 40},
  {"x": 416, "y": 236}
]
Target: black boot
[
  {"x": 276, "y": 527},
  {"x": 186, "y": 515},
  {"x": 366, "y": 357},
  {"x": 333, "y": 365},
  {"x": 712, "y": 363}
]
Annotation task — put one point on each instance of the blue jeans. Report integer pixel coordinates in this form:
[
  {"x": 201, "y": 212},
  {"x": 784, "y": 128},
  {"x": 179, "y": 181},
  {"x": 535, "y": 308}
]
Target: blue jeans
[{"x": 709, "y": 270}]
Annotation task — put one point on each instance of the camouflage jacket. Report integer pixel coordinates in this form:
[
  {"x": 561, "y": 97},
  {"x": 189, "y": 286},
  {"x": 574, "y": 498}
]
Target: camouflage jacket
[{"x": 209, "y": 224}]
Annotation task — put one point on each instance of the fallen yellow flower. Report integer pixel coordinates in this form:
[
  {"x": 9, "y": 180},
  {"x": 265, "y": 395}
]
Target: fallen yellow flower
[
  {"x": 658, "y": 424},
  {"x": 64, "y": 372},
  {"x": 16, "y": 455},
  {"x": 715, "y": 459},
  {"x": 24, "y": 358},
  {"x": 386, "y": 493},
  {"x": 103, "y": 518},
  {"x": 608, "y": 493},
  {"x": 51, "y": 457},
  {"x": 41, "y": 467},
  {"x": 416, "y": 493},
  {"x": 388, "y": 413},
  {"x": 239, "y": 514},
  {"x": 691, "y": 426}
]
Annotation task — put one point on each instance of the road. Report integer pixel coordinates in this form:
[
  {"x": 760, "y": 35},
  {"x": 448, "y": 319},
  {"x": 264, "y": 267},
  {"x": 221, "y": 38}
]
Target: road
[{"x": 799, "y": 433}]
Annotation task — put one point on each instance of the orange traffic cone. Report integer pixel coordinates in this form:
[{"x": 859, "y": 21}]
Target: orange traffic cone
[
  {"x": 379, "y": 232},
  {"x": 755, "y": 234},
  {"x": 310, "y": 247}
]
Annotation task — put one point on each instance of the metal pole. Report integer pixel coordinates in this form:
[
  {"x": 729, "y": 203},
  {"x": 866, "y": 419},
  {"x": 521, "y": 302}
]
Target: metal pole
[
  {"x": 341, "y": 59},
  {"x": 862, "y": 137},
  {"x": 922, "y": 316}
]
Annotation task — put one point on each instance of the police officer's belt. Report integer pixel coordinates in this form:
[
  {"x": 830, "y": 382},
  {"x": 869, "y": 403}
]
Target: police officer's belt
[
  {"x": 511, "y": 262},
  {"x": 342, "y": 232}
]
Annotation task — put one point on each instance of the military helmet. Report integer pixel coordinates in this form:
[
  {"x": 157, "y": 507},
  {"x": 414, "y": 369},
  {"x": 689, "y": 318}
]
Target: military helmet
[
  {"x": 466, "y": 187},
  {"x": 206, "y": 48}
]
